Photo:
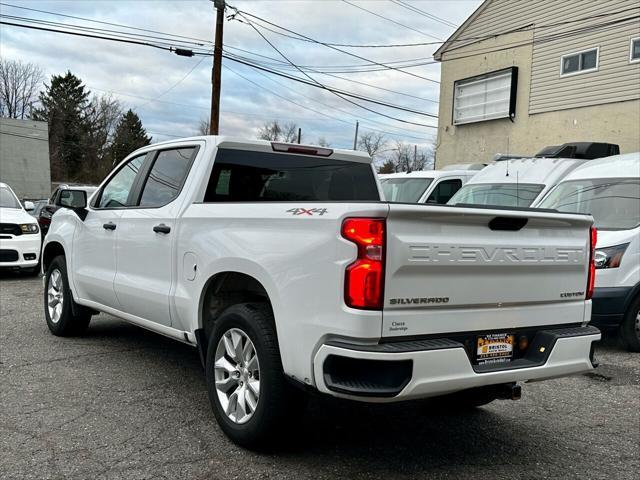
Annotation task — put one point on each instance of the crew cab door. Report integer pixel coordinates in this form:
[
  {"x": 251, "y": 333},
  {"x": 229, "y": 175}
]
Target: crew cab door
[
  {"x": 94, "y": 247},
  {"x": 146, "y": 236}
]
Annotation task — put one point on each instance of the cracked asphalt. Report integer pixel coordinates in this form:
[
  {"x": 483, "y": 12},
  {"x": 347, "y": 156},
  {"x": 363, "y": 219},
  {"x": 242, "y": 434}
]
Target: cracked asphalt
[{"x": 121, "y": 402}]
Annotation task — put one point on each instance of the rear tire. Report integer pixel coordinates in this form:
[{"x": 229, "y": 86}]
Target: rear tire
[
  {"x": 250, "y": 396},
  {"x": 64, "y": 316},
  {"x": 630, "y": 328}
]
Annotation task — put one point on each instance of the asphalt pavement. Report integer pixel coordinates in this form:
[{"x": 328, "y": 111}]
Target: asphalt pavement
[{"x": 124, "y": 403}]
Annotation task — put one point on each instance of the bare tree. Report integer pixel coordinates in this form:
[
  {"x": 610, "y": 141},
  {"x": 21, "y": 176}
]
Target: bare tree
[
  {"x": 19, "y": 86},
  {"x": 409, "y": 158},
  {"x": 290, "y": 133},
  {"x": 322, "y": 142},
  {"x": 270, "y": 131},
  {"x": 275, "y": 132},
  {"x": 203, "y": 126},
  {"x": 102, "y": 116},
  {"x": 372, "y": 143}
]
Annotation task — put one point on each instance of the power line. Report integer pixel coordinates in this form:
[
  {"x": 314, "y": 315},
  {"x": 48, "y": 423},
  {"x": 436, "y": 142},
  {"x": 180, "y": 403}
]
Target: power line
[
  {"x": 321, "y": 72},
  {"x": 104, "y": 23},
  {"x": 424, "y": 14},
  {"x": 245, "y": 14},
  {"x": 335, "y": 108},
  {"x": 456, "y": 40},
  {"x": 99, "y": 37},
  {"x": 392, "y": 21},
  {"x": 552, "y": 25},
  {"x": 330, "y": 89},
  {"x": 320, "y": 85},
  {"x": 542, "y": 39},
  {"x": 357, "y": 65},
  {"x": 197, "y": 64},
  {"x": 119, "y": 33}
]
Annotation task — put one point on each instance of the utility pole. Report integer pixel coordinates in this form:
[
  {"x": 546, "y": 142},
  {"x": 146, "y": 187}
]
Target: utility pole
[
  {"x": 355, "y": 139},
  {"x": 214, "y": 123},
  {"x": 299, "y": 135}
]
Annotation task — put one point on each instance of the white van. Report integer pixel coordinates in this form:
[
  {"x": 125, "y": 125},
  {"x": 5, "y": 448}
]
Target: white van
[
  {"x": 515, "y": 183},
  {"x": 428, "y": 186},
  {"x": 609, "y": 189}
]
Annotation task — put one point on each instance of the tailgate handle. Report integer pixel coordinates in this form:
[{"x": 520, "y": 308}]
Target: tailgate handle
[{"x": 509, "y": 224}]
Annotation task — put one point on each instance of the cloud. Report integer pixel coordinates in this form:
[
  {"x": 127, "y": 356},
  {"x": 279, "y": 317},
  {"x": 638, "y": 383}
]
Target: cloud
[{"x": 155, "y": 83}]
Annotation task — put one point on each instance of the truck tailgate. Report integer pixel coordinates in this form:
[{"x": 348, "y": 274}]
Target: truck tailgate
[{"x": 454, "y": 269}]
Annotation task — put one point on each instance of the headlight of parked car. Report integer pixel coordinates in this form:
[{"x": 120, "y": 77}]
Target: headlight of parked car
[
  {"x": 29, "y": 228},
  {"x": 610, "y": 257},
  {"x": 45, "y": 213}
]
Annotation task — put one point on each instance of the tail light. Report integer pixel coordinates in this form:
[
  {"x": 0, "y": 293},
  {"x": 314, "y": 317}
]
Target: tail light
[
  {"x": 364, "y": 278},
  {"x": 591, "y": 278}
]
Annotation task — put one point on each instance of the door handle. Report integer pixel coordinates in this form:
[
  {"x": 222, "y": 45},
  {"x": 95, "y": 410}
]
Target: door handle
[
  {"x": 162, "y": 228},
  {"x": 109, "y": 226}
]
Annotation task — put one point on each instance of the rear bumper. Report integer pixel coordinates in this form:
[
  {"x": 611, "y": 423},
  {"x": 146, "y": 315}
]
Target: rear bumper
[
  {"x": 22, "y": 251},
  {"x": 425, "y": 368},
  {"x": 608, "y": 306}
]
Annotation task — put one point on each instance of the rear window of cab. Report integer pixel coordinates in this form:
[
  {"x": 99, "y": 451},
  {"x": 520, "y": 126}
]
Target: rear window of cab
[{"x": 249, "y": 176}]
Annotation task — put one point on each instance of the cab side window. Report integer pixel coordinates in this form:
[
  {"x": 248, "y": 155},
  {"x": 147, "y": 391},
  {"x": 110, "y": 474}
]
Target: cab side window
[
  {"x": 443, "y": 192},
  {"x": 116, "y": 193},
  {"x": 167, "y": 176}
]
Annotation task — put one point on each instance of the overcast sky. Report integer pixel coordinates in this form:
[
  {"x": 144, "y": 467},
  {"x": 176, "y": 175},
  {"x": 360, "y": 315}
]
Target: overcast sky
[{"x": 172, "y": 94}]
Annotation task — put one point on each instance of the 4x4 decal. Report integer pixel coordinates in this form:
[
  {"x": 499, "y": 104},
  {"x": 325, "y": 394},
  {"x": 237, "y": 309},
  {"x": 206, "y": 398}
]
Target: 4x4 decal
[{"x": 307, "y": 211}]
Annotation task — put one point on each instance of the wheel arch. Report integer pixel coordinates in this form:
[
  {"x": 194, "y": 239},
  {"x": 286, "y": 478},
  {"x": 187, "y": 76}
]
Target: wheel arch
[
  {"x": 51, "y": 251},
  {"x": 220, "y": 291},
  {"x": 230, "y": 287},
  {"x": 631, "y": 297}
]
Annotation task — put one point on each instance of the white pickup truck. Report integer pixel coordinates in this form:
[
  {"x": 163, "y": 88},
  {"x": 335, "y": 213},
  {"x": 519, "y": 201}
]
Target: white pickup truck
[{"x": 282, "y": 266}]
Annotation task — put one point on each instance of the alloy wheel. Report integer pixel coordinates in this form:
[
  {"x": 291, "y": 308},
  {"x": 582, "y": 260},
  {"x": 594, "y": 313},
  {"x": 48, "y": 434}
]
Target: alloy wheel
[
  {"x": 237, "y": 375},
  {"x": 55, "y": 296}
]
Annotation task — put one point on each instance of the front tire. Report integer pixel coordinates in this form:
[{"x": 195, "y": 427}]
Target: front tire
[
  {"x": 630, "y": 328},
  {"x": 64, "y": 316},
  {"x": 250, "y": 396}
]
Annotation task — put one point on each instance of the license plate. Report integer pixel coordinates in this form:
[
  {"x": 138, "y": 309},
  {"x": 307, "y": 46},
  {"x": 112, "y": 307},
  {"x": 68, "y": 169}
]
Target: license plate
[{"x": 494, "y": 348}]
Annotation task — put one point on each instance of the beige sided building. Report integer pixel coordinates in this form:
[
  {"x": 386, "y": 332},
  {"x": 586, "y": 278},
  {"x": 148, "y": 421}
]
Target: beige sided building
[{"x": 519, "y": 75}]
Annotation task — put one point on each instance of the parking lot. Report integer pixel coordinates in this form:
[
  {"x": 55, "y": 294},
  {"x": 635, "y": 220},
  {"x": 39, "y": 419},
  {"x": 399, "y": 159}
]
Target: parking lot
[{"x": 121, "y": 402}]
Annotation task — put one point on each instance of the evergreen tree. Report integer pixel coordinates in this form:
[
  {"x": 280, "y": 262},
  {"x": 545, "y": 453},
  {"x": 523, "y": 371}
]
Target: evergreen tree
[
  {"x": 387, "y": 167},
  {"x": 64, "y": 106},
  {"x": 129, "y": 136}
]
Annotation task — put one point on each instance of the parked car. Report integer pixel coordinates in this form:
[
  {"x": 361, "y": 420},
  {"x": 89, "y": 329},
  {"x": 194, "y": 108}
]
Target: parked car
[
  {"x": 515, "y": 183},
  {"x": 282, "y": 265},
  {"x": 428, "y": 186},
  {"x": 46, "y": 212},
  {"x": 609, "y": 189},
  {"x": 19, "y": 234},
  {"x": 38, "y": 205}
]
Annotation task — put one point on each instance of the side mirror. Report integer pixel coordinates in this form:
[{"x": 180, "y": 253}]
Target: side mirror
[
  {"x": 74, "y": 199},
  {"x": 29, "y": 206}
]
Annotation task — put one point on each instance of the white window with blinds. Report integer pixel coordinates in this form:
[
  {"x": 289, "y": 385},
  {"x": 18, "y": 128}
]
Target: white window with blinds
[{"x": 485, "y": 97}]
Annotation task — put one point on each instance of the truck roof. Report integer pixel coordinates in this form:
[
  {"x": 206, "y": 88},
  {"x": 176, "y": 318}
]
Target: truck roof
[
  {"x": 626, "y": 166},
  {"x": 545, "y": 171},
  {"x": 428, "y": 174},
  {"x": 237, "y": 143}
]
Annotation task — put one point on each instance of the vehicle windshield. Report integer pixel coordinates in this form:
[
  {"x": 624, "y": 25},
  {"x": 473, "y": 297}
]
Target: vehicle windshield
[
  {"x": 407, "y": 190},
  {"x": 8, "y": 199},
  {"x": 497, "y": 194},
  {"x": 613, "y": 202}
]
